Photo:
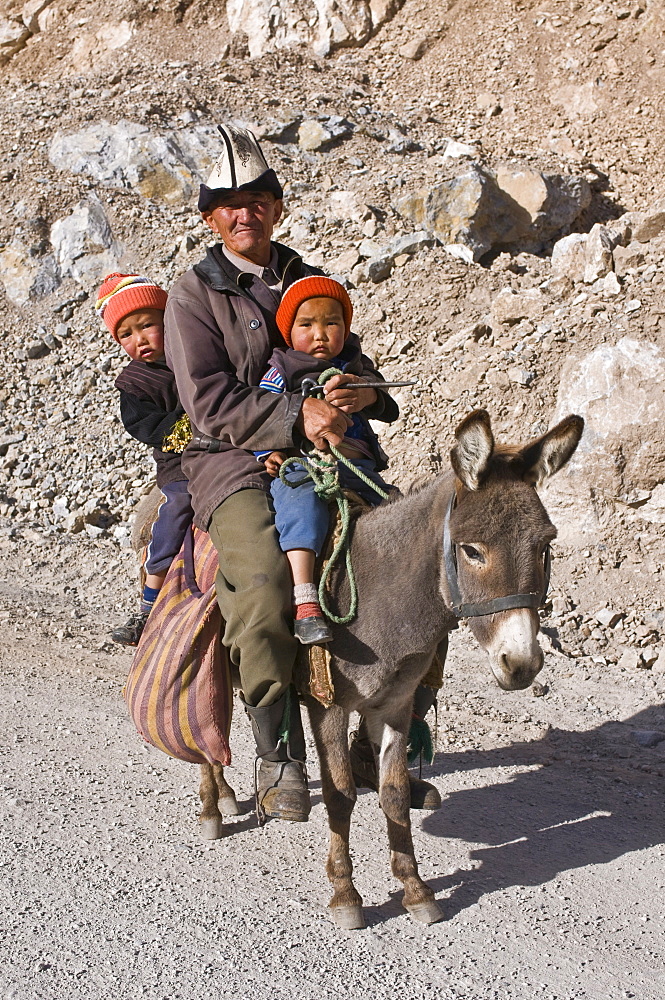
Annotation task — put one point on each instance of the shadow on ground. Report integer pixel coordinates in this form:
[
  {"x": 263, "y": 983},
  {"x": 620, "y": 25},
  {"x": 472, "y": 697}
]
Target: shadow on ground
[{"x": 551, "y": 819}]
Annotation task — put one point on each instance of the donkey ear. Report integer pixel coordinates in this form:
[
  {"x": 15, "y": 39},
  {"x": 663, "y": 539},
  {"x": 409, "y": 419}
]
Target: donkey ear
[
  {"x": 475, "y": 444},
  {"x": 549, "y": 453}
]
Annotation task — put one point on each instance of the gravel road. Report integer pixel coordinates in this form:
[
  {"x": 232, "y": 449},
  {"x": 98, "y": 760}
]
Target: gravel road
[{"x": 547, "y": 852}]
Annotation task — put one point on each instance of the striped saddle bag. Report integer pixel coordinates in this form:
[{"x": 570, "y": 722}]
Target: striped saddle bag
[{"x": 179, "y": 691}]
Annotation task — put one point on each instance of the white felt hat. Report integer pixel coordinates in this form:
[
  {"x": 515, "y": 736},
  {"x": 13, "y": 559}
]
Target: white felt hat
[{"x": 241, "y": 167}]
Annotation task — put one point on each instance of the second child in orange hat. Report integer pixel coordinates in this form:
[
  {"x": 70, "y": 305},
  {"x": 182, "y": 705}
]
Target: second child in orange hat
[
  {"x": 132, "y": 307},
  {"x": 314, "y": 317}
]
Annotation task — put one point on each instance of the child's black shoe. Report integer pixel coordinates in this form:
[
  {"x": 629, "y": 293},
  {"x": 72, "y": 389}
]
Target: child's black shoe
[
  {"x": 130, "y": 633},
  {"x": 312, "y": 630}
]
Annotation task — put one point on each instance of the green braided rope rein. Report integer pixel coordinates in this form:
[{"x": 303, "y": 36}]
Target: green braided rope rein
[{"x": 322, "y": 470}]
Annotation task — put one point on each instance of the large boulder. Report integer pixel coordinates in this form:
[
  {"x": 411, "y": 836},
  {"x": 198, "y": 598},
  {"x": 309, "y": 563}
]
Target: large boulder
[
  {"x": 552, "y": 201},
  {"x": 167, "y": 167},
  {"x": 318, "y": 25},
  {"x": 465, "y": 206},
  {"x": 474, "y": 207},
  {"x": 620, "y": 391}
]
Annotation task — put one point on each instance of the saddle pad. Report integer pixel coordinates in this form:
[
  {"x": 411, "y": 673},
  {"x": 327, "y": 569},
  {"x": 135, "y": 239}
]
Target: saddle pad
[{"x": 179, "y": 690}]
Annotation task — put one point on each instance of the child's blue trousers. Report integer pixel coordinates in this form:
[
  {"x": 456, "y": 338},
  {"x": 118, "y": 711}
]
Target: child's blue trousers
[
  {"x": 301, "y": 518},
  {"x": 174, "y": 517}
]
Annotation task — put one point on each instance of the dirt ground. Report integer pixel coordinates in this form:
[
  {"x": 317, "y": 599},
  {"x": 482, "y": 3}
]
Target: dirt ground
[{"x": 547, "y": 853}]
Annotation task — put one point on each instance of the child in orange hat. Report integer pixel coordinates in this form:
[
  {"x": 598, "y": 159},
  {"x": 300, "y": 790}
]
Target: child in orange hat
[
  {"x": 314, "y": 318},
  {"x": 132, "y": 307}
]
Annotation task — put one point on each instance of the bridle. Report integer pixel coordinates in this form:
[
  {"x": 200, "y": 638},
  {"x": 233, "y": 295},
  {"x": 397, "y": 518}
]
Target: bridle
[{"x": 462, "y": 610}]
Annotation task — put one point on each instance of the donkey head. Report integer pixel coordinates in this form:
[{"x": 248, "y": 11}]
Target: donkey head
[{"x": 499, "y": 534}]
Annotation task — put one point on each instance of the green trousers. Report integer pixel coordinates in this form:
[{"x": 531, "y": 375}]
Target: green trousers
[{"x": 254, "y": 594}]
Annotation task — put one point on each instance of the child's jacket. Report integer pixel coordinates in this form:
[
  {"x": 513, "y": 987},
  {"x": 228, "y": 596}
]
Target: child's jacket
[
  {"x": 287, "y": 369},
  {"x": 149, "y": 409}
]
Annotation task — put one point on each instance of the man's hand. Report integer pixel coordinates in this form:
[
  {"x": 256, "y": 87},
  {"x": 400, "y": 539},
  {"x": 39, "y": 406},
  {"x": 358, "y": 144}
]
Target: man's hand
[
  {"x": 273, "y": 462},
  {"x": 321, "y": 423},
  {"x": 350, "y": 399}
]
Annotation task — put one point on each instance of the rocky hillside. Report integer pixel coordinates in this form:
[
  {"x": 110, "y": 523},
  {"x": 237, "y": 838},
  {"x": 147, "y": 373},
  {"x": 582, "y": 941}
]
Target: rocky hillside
[{"x": 485, "y": 176}]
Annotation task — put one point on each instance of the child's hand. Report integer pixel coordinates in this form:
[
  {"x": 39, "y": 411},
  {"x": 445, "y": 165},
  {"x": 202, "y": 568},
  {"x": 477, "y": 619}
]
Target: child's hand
[
  {"x": 273, "y": 461},
  {"x": 351, "y": 399}
]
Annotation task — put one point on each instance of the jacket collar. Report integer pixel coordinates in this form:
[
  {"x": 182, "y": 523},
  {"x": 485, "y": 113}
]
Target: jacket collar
[{"x": 220, "y": 274}]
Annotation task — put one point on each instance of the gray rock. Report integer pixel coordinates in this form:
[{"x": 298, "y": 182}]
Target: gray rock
[
  {"x": 650, "y": 225},
  {"x": 317, "y": 134},
  {"x": 619, "y": 389},
  {"x": 473, "y": 207},
  {"x": 416, "y": 48},
  {"x": 369, "y": 248},
  {"x": 25, "y": 276},
  {"x": 345, "y": 262},
  {"x": 521, "y": 376},
  {"x": 649, "y": 656},
  {"x": 630, "y": 659},
  {"x": 611, "y": 285},
  {"x": 401, "y": 144},
  {"x": 347, "y": 205},
  {"x": 509, "y": 307},
  {"x": 411, "y": 243},
  {"x": 279, "y": 130},
  {"x": 30, "y": 14},
  {"x": 13, "y": 36},
  {"x": 597, "y": 254},
  {"x": 627, "y": 257},
  {"x": 568, "y": 256},
  {"x": 166, "y": 167},
  {"x": 379, "y": 266},
  {"x": 608, "y": 618},
  {"x": 647, "y": 737},
  {"x": 51, "y": 342},
  {"x": 321, "y": 26},
  {"x": 78, "y": 239},
  {"x": 37, "y": 349},
  {"x": 465, "y": 206},
  {"x": 552, "y": 202}
]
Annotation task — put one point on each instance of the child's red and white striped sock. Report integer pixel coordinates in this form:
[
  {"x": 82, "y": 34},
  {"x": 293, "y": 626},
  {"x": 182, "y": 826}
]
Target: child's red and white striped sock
[{"x": 306, "y": 601}]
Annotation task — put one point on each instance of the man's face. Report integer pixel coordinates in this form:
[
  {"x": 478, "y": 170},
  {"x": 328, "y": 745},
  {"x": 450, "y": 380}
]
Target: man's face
[{"x": 245, "y": 220}]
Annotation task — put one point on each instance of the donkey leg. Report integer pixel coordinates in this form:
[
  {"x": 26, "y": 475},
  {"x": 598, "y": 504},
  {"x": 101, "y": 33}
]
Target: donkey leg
[
  {"x": 210, "y": 818},
  {"x": 394, "y": 797},
  {"x": 227, "y": 803},
  {"x": 339, "y": 794}
]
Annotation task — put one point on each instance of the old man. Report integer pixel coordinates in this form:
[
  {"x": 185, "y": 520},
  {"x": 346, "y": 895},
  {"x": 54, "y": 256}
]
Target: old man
[{"x": 220, "y": 330}]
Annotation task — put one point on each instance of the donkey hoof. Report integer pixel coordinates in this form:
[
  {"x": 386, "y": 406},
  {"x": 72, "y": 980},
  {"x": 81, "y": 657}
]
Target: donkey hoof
[
  {"x": 426, "y": 913},
  {"x": 348, "y": 918},
  {"x": 229, "y": 806},
  {"x": 213, "y": 828}
]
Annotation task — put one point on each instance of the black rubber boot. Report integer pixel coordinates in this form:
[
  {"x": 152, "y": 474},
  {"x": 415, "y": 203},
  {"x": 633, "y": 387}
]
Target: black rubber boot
[
  {"x": 364, "y": 754},
  {"x": 281, "y": 779}
]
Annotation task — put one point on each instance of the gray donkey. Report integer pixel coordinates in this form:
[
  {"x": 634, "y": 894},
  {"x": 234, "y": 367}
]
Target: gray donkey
[{"x": 473, "y": 543}]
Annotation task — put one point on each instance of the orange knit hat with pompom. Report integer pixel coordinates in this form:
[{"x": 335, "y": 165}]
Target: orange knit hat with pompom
[
  {"x": 315, "y": 287},
  {"x": 122, "y": 294}
]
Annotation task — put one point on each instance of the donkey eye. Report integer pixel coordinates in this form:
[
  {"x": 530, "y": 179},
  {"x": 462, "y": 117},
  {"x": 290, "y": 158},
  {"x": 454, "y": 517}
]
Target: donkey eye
[{"x": 472, "y": 553}]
